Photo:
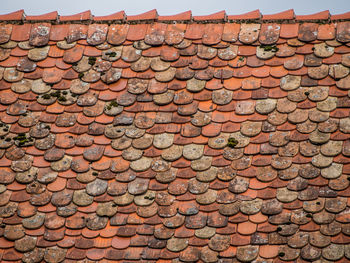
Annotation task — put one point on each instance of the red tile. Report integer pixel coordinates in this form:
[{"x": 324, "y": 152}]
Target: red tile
[
  {"x": 285, "y": 15},
  {"x": 155, "y": 34},
  {"x": 97, "y": 34},
  {"x": 324, "y": 15},
  {"x": 20, "y": 32},
  {"x": 150, "y": 15},
  {"x": 115, "y": 16},
  {"x": 175, "y": 33},
  {"x": 308, "y": 32},
  {"x": 341, "y": 16},
  {"x": 74, "y": 54},
  {"x": 187, "y": 15},
  {"x": 52, "y": 75},
  {"x": 76, "y": 32},
  {"x": 58, "y": 32},
  {"x": 289, "y": 30},
  {"x": 14, "y": 16},
  {"x": 195, "y": 31},
  {"x": 212, "y": 34},
  {"x": 343, "y": 31},
  {"x": 326, "y": 32},
  {"x": 52, "y": 16},
  {"x": 95, "y": 253},
  {"x": 77, "y": 17},
  {"x": 231, "y": 31},
  {"x": 269, "y": 251},
  {"x": 269, "y": 33},
  {"x": 136, "y": 32},
  {"x": 219, "y": 16},
  {"x": 117, "y": 33},
  {"x": 247, "y": 16}
]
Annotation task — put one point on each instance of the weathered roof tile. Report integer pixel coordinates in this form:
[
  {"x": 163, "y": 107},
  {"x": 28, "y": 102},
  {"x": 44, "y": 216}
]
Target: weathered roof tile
[{"x": 195, "y": 140}]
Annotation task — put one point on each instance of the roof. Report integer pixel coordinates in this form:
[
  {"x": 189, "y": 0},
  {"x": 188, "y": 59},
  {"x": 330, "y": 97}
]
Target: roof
[{"x": 220, "y": 138}]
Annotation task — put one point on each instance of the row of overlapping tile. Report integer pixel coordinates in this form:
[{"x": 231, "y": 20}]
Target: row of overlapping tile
[
  {"x": 192, "y": 143},
  {"x": 285, "y": 16}
]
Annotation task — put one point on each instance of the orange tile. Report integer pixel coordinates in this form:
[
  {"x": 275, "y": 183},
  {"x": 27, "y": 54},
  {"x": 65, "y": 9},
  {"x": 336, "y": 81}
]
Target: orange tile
[
  {"x": 117, "y": 33},
  {"x": 261, "y": 72},
  {"x": 115, "y": 16},
  {"x": 268, "y": 251},
  {"x": 230, "y": 32},
  {"x": 194, "y": 31},
  {"x": 101, "y": 242},
  {"x": 324, "y": 15},
  {"x": 326, "y": 32},
  {"x": 213, "y": 32},
  {"x": 278, "y": 72},
  {"x": 58, "y": 185},
  {"x": 39, "y": 161},
  {"x": 55, "y": 108},
  {"x": 58, "y": 32},
  {"x": 136, "y": 32},
  {"x": 149, "y": 15},
  {"x": 258, "y": 218},
  {"x": 289, "y": 30},
  {"x": 175, "y": 33},
  {"x": 52, "y": 16},
  {"x": 246, "y": 228},
  {"x": 86, "y": 15},
  {"x": 20, "y": 32},
  {"x": 52, "y": 75},
  {"x": 250, "y": 15},
  {"x": 251, "y": 83},
  {"x": 187, "y": 15},
  {"x": 288, "y": 14},
  {"x": 240, "y": 240},
  {"x": 104, "y": 119}
]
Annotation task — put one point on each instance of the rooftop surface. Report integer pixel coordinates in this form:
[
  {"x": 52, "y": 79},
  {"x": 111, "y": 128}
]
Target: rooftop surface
[{"x": 219, "y": 138}]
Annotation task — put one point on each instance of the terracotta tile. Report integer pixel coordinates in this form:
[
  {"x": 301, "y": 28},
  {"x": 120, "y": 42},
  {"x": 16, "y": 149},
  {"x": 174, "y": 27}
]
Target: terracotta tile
[
  {"x": 317, "y": 16},
  {"x": 250, "y": 15},
  {"x": 155, "y": 34},
  {"x": 326, "y": 32},
  {"x": 52, "y": 75},
  {"x": 239, "y": 240},
  {"x": 194, "y": 31},
  {"x": 73, "y": 55},
  {"x": 175, "y": 33},
  {"x": 115, "y": 16},
  {"x": 213, "y": 33},
  {"x": 288, "y": 14},
  {"x": 289, "y": 30},
  {"x": 58, "y": 32},
  {"x": 76, "y": 32},
  {"x": 340, "y": 16},
  {"x": 5, "y": 33},
  {"x": 269, "y": 34},
  {"x": 308, "y": 32},
  {"x": 136, "y": 32},
  {"x": 52, "y": 16},
  {"x": 343, "y": 32},
  {"x": 216, "y": 16},
  {"x": 20, "y": 32},
  {"x": 268, "y": 251},
  {"x": 187, "y": 15},
  {"x": 150, "y": 15},
  {"x": 77, "y": 17},
  {"x": 95, "y": 253},
  {"x": 39, "y": 35},
  {"x": 97, "y": 34}
]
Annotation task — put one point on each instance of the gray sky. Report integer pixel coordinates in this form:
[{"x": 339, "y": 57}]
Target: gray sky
[{"x": 166, "y": 7}]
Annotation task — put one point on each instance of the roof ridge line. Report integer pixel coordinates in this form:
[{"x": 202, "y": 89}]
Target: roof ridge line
[{"x": 287, "y": 16}]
